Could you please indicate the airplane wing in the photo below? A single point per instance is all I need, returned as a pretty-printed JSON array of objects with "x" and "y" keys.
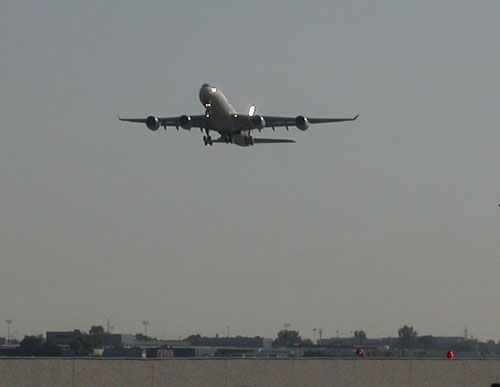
[
  {"x": 198, "y": 121},
  {"x": 274, "y": 122}
]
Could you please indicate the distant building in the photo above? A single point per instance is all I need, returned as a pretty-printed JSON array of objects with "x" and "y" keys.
[
  {"x": 235, "y": 342},
  {"x": 278, "y": 353},
  {"x": 380, "y": 342},
  {"x": 2, "y": 340},
  {"x": 62, "y": 338},
  {"x": 185, "y": 352},
  {"x": 448, "y": 341},
  {"x": 124, "y": 352},
  {"x": 165, "y": 353},
  {"x": 336, "y": 342},
  {"x": 158, "y": 343},
  {"x": 116, "y": 340}
]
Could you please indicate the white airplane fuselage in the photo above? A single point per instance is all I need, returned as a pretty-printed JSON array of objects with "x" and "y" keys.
[{"x": 222, "y": 114}]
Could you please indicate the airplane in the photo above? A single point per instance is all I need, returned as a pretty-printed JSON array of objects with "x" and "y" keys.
[{"x": 232, "y": 127}]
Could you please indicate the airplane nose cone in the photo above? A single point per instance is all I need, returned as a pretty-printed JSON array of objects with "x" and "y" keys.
[{"x": 205, "y": 93}]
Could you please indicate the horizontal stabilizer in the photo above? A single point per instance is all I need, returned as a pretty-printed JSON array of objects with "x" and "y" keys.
[{"x": 271, "y": 140}]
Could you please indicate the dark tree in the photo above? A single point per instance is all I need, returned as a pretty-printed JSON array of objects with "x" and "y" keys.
[
  {"x": 193, "y": 339},
  {"x": 35, "y": 346},
  {"x": 85, "y": 344},
  {"x": 30, "y": 345},
  {"x": 49, "y": 350},
  {"x": 407, "y": 337},
  {"x": 307, "y": 343},
  {"x": 96, "y": 330},
  {"x": 359, "y": 338},
  {"x": 427, "y": 342},
  {"x": 142, "y": 337},
  {"x": 287, "y": 338}
]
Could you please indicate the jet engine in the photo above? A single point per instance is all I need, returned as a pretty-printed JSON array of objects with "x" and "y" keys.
[
  {"x": 258, "y": 122},
  {"x": 152, "y": 123},
  {"x": 185, "y": 122},
  {"x": 301, "y": 123}
]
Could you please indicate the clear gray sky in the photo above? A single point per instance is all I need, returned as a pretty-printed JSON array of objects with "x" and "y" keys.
[{"x": 393, "y": 219}]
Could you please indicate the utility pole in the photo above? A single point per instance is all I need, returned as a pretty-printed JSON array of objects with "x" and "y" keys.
[
  {"x": 9, "y": 321},
  {"x": 145, "y": 323}
]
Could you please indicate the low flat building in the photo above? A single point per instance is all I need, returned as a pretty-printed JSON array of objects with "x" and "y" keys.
[
  {"x": 116, "y": 340},
  {"x": 124, "y": 352},
  {"x": 278, "y": 353},
  {"x": 63, "y": 338},
  {"x": 165, "y": 353},
  {"x": 448, "y": 341},
  {"x": 336, "y": 342},
  {"x": 235, "y": 342},
  {"x": 184, "y": 352}
]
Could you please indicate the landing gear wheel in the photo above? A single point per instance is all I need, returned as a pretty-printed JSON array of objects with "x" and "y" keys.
[{"x": 207, "y": 140}]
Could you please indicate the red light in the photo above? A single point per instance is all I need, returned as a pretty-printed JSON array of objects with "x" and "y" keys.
[
  {"x": 360, "y": 352},
  {"x": 450, "y": 355}
]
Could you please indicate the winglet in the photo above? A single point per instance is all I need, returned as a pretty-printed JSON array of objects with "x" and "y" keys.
[
  {"x": 119, "y": 117},
  {"x": 355, "y": 117}
]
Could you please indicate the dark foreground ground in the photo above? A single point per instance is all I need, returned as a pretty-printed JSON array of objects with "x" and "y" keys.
[{"x": 248, "y": 372}]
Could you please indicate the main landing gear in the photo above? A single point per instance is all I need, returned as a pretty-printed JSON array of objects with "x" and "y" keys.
[
  {"x": 227, "y": 138},
  {"x": 207, "y": 140}
]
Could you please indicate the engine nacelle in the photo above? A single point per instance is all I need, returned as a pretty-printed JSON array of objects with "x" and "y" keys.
[
  {"x": 258, "y": 122},
  {"x": 185, "y": 122},
  {"x": 301, "y": 123},
  {"x": 152, "y": 123}
]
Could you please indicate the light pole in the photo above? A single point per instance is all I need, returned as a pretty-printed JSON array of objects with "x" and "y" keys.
[
  {"x": 145, "y": 323},
  {"x": 9, "y": 321}
]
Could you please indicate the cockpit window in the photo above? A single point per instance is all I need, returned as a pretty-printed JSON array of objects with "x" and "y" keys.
[{"x": 205, "y": 85}]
